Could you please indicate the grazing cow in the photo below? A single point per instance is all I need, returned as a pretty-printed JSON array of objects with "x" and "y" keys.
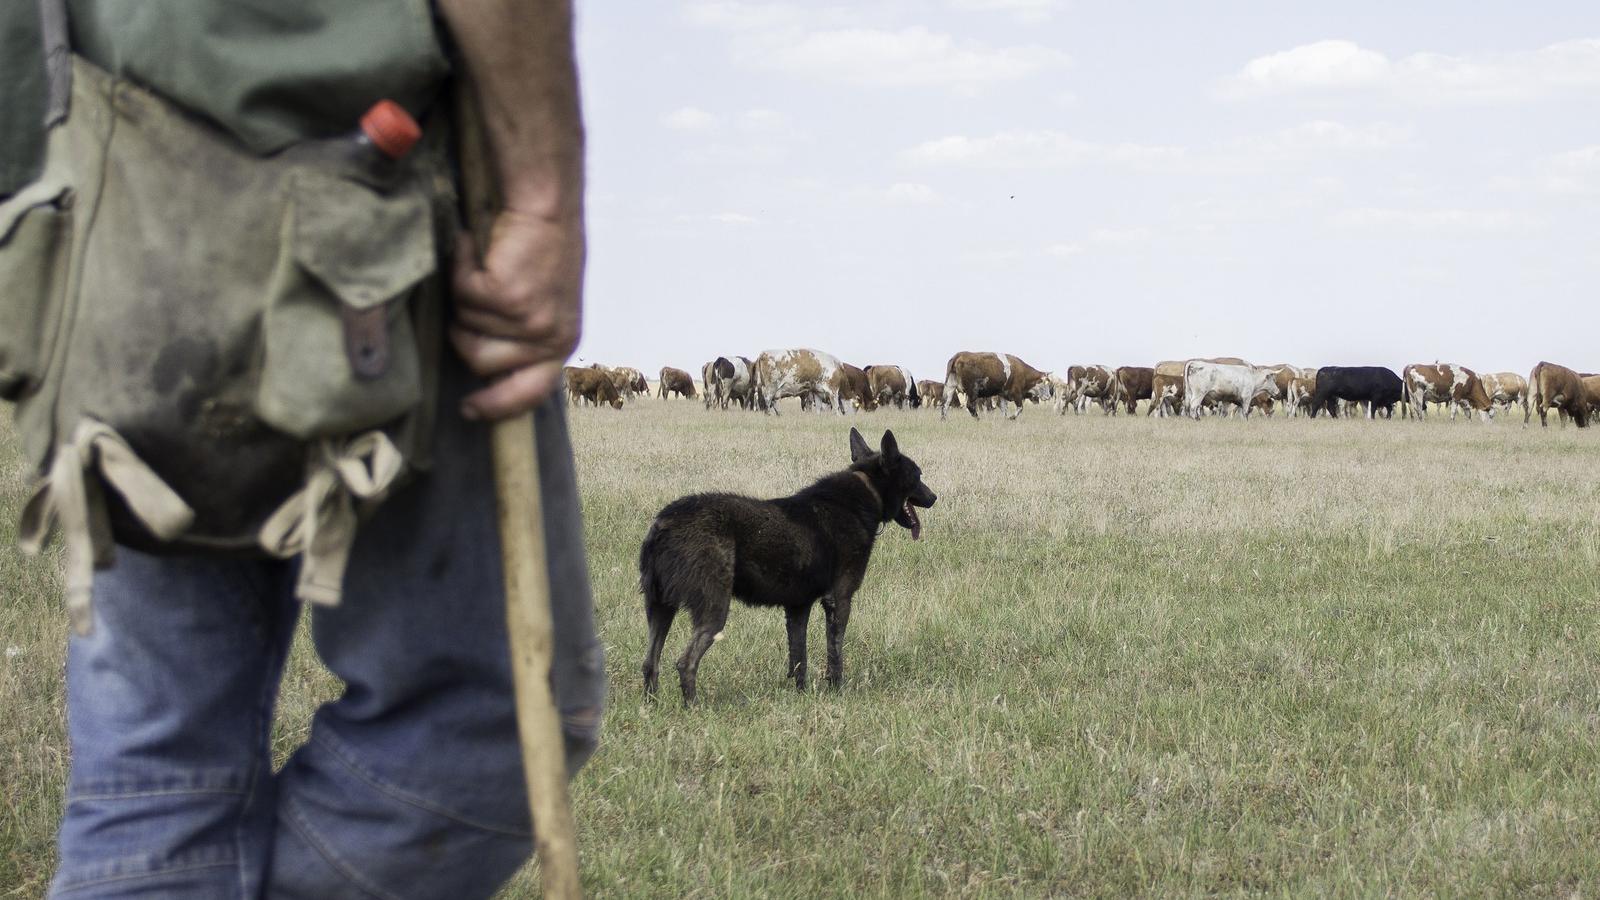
[
  {"x": 929, "y": 392},
  {"x": 1222, "y": 383},
  {"x": 1447, "y": 383},
  {"x": 1300, "y": 392},
  {"x": 807, "y": 374},
  {"x": 1093, "y": 382},
  {"x": 1376, "y": 386},
  {"x": 1505, "y": 390},
  {"x": 675, "y": 381},
  {"x": 1166, "y": 389},
  {"x": 1136, "y": 384},
  {"x": 1262, "y": 403},
  {"x": 851, "y": 383},
  {"x": 593, "y": 385},
  {"x": 998, "y": 375},
  {"x": 729, "y": 378},
  {"x": 1556, "y": 386},
  {"x": 892, "y": 384},
  {"x": 629, "y": 382}
]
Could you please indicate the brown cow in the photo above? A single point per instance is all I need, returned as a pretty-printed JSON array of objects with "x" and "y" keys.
[
  {"x": 1560, "y": 387},
  {"x": 980, "y": 375},
  {"x": 850, "y": 383},
  {"x": 930, "y": 391},
  {"x": 1591, "y": 388},
  {"x": 1136, "y": 384},
  {"x": 892, "y": 384},
  {"x": 593, "y": 385},
  {"x": 1166, "y": 389},
  {"x": 1447, "y": 383},
  {"x": 675, "y": 381}
]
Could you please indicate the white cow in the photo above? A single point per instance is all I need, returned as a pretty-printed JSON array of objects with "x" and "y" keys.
[{"x": 1223, "y": 383}]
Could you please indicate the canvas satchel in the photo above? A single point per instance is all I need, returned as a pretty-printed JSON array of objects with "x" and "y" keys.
[{"x": 214, "y": 351}]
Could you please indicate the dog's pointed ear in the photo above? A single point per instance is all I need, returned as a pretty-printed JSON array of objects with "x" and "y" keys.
[
  {"x": 858, "y": 446},
  {"x": 889, "y": 447}
]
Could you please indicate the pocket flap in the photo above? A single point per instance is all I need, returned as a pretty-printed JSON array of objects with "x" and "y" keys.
[
  {"x": 366, "y": 246},
  {"x": 31, "y": 197}
]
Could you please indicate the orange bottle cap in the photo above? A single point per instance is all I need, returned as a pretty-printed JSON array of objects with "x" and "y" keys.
[{"x": 390, "y": 128}]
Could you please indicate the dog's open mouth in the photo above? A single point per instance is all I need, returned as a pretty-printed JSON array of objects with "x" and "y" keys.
[{"x": 908, "y": 518}]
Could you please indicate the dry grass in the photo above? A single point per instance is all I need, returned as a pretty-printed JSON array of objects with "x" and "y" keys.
[{"x": 1129, "y": 656}]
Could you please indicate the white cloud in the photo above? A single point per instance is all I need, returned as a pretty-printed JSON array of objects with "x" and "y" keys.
[
  {"x": 689, "y": 118},
  {"x": 1064, "y": 250},
  {"x": 1036, "y": 150},
  {"x": 1031, "y": 11},
  {"x": 909, "y": 57},
  {"x": 733, "y": 218},
  {"x": 1336, "y": 65},
  {"x": 1447, "y": 220},
  {"x": 1324, "y": 64}
]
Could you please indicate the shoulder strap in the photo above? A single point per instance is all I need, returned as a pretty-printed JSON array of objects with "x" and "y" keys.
[{"x": 57, "y": 60}]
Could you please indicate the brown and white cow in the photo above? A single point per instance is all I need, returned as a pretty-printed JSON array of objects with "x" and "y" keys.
[
  {"x": 1137, "y": 383},
  {"x": 1551, "y": 385},
  {"x": 593, "y": 385},
  {"x": 1455, "y": 386},
  {"x": 675, "y": 381},
  {"x": 804, "y": 373},
  {"x": 1000, "y": 375},
  {"x": 892, "y": 384},
  {"x": 1166, "y": 389},
  {"x": 626, "y": 379},
  {"x": 930, "y": 391},
  {"x": 1300, "y": 391},
  {"x": 850, "y": 384},
  {"x": 1505, "y": 390},
  {"x": 1093, "y": 382}
]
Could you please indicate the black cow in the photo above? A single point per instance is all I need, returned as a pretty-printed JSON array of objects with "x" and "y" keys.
[{"x": 1375, "y": 386}]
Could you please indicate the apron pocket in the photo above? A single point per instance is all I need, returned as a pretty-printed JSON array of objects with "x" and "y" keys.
[
  {"x": 35, "y": 236},
  {"x": 340, "y": 350}
]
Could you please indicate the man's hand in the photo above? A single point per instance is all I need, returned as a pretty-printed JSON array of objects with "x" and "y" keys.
[{"x": 518, "y": 316}]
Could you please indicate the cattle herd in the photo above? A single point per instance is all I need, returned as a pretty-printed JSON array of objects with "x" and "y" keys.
[{"x": 1192, "y": 387}]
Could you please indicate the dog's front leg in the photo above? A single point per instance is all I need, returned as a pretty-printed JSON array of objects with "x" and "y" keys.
[
  {"x": 837, "y": 611},
  {"x": 797, "y": 618}
]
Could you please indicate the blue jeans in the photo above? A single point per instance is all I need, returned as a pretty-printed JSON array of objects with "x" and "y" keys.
[{"x": 409, "y": 785}]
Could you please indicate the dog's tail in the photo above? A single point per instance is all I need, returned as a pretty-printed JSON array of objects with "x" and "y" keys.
[{"x": 649, "y": 581}]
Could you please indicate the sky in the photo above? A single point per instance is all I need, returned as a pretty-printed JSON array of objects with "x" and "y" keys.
[{"x": 1352, "y": 183}]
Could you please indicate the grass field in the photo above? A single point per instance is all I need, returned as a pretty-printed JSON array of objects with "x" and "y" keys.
[{"x": 1127, "y": 657}]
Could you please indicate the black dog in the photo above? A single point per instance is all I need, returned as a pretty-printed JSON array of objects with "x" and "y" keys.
[{"x": 704, "y": 549}]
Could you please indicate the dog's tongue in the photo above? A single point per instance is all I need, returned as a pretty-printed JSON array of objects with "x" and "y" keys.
[{"x": 916, "y": 523}]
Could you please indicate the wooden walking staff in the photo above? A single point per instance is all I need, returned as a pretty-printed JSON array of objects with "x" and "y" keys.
[{"x": 522, "y": 556}]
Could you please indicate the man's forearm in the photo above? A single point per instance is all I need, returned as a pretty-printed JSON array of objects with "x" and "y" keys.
[{"x": 519, "y": 54}]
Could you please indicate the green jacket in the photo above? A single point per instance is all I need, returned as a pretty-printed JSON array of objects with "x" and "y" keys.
[
  {"x": 22, "y": 84},
  {"x": 270, "y": 71}
]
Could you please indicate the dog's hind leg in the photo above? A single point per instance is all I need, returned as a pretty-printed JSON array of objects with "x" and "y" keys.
[
  {"x": 706, "y": 630},
  {"x": 660, "y": 616},
  {"x": 797, "y": 618}
]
